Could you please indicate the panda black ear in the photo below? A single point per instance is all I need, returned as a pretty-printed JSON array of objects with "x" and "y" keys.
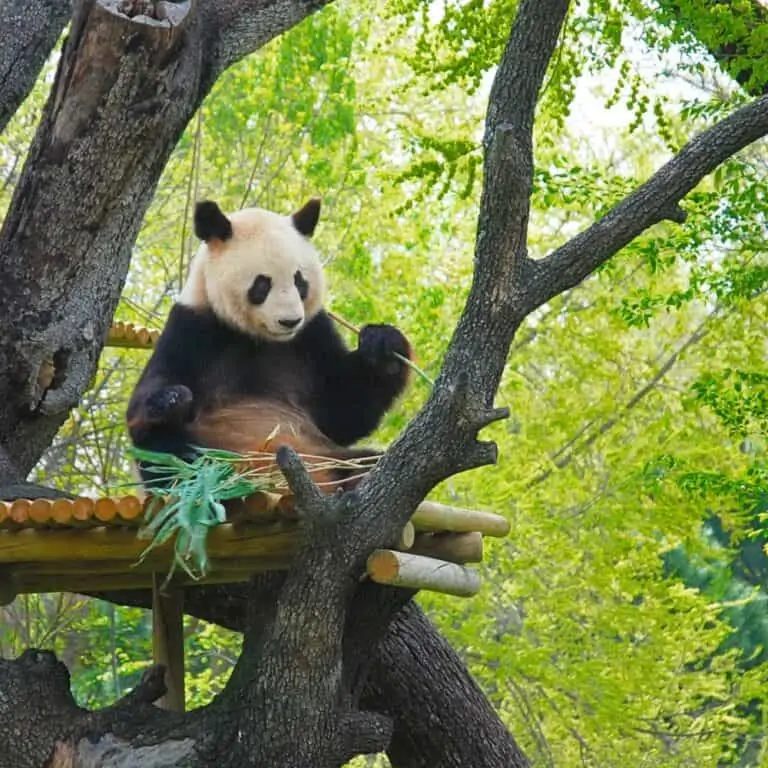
[
  {"x": 306, "y": 218},
  {"x": 211, "y": 223}
]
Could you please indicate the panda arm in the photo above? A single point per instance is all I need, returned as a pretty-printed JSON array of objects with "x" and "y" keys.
[
  {"x": 163, "y": 398},
  {"x": 354, "y": 388}
]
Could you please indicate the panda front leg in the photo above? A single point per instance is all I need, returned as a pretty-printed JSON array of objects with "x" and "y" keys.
[
  {"x": 363, "y": 385},
  {"x": 157, "y": 417},
  {"x": 160, "y": 405},
  {"x": 384, "y": 347}
]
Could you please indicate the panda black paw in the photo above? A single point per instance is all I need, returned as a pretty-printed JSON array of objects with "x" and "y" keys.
[
  {"x": 169, "y": 405},
  {"x": 380, "y": 343}
]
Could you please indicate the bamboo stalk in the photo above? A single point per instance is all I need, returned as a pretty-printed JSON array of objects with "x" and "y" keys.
[
  {"x": 403, "y": 569},
  {"x": 349, "y": 326}
]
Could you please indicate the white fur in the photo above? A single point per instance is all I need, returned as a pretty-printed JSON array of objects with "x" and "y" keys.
[{"x": 262, "y": 243}]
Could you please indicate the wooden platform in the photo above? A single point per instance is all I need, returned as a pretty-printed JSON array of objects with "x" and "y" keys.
[
  {"x": 93, "y": 544},
  {"x": 87, "y": 544}
]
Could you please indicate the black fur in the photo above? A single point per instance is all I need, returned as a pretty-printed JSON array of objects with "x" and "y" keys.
[
  {"x": 345, "y": 393},
  {"x": 211, "y": 223},
  {"x": 306, "y": 218}
]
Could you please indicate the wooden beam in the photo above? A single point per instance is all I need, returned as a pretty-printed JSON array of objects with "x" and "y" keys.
[
  {"x": 454, "y": 547},
  {"x": 168, "y": 640},
  {"x": 111, "y": 543},
  {"x": 431, "y": 516},
  {"x": 403, "y": 569}
]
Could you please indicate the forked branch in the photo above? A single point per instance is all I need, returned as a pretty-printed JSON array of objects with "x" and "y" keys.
[{"x": 654, "y": 201}]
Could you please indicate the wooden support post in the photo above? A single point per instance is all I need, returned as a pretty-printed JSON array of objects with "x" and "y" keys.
[
  {"x": 168, "y": 640},
  {"x": 8, "y": 589}
]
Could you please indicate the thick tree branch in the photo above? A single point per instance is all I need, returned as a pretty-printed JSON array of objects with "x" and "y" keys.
[
  {"x": 647, "y": 205},
  {"x": 28, "y": 31},
  {"x": 413, "y": 671},
  {"x": 441, "y": 440},
  {"x": 8, "y": 472},
  {"x": 243, "y": 26}
]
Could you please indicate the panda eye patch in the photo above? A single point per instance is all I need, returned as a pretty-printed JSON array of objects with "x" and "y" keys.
[
  {"x": 302, "y": 286},
  {"x": 259, "y": 290}
]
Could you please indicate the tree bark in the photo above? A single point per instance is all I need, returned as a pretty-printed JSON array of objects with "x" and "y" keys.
[
  {"x": 441, "y": 719},
  {"x": 28, "y": 31}
]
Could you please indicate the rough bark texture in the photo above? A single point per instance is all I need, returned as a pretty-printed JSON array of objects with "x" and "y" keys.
[
  {"x": 28, "y": 31},
  {"x": 441, "y": 718},
  {"x": 313, "y": 686}
]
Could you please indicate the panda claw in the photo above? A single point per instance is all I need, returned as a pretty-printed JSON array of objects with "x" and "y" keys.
[
  {"x": 380, "y": 343},
  {"x": 169, "y": 404}
]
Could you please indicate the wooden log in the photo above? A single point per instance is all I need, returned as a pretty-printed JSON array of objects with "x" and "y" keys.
[
  {"x": 128, "y": 510},
  {"x": 120, "y": 510},
  {"x": 259, "y": 506},
  {"x": 277, "y": 539},
  {"x": 130, "y": 336},
  {"x": 84, "y": 583},
  {"x": 407, "y": 537},
  {"x": 403, "y": 569},
  {"x": 19, "y": 510},
  {"x": 431, "y": 516},
  {"x": 453, "y": 547},
  {"x": 168, "y": 640}
]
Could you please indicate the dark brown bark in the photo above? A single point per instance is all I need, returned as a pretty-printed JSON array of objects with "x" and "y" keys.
[
  {"x": 28, "y": 31},
  {"x": 441, "y": 718}
]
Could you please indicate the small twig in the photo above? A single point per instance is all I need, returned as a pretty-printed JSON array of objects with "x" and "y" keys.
[{"x": 341, "y": 321}]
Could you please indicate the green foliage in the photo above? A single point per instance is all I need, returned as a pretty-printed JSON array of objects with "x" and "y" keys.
[{"x": 190, "y": 496}]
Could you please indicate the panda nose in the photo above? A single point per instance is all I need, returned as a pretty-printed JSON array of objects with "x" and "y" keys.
[{"x": 290, "y": 323}]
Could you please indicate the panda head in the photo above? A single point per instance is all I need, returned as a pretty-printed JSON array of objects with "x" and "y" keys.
[{"x": 257, "y": 270}]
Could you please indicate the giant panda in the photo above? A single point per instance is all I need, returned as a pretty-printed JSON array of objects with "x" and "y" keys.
[{"x": 249, "y": 360}]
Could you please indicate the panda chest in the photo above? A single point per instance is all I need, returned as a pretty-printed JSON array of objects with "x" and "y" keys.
[{"x": 270, "y": 371}]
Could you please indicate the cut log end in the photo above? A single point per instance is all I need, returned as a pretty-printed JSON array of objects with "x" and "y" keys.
[{"x": 403, "y": 569}]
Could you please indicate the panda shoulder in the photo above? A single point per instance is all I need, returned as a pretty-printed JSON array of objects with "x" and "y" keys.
[{"x": 321, "y": 333}]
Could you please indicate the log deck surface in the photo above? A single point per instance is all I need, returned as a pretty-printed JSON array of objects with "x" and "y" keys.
[{"x": 83, "y": 544}]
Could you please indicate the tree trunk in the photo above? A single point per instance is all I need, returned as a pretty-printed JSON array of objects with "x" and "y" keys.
[{"x": 441, "y": 718}]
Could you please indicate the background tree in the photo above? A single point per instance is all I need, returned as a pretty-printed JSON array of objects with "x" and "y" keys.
[{"x": 449, "y": 162}]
